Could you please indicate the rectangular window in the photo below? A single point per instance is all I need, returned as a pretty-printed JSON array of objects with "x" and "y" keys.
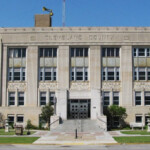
[
  {"x": 138, "y": 119},
  {"x": 42, "y": 98},
  {"x": 106, "y": 98},
  {"x": 47, "y": 74},
  {"x": 111, "y": 73},
  {"x": 142, "y": 74},
  {"x": 17, "y": 52},
  {"x": 48, "y": 52},
  {"x": 21, "y": 98},
  {"x": 79, "y": 52},
  {"x": 115, "y": 98},
  {"x": 147, "y": 98},
  {"x": 79, "y": 73},
  {"x": 11, "y": 98},
  {"x": 137, "y": 98},
  {"x": 110, "y": 52},
  {"x": 147, "y": 117},
  {"x": 10, "y": 119},
  {"x": 20, "y": 118},
  {"x": 16, "y": 74},
  {"x": 51, "y": 97},
  {"x": 141, "y": 52}
]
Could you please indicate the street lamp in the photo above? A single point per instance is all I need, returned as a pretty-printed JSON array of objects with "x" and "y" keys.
[{"x": 55, "y": 101}]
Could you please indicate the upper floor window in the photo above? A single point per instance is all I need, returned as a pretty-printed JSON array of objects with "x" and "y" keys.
[
  {"x": 52, "y": 98},
  {"x": 16, "y": 74},
  {"x": 142, "y": 73},
  {"x": 11, "y": 99},
  {"x": 42, "y": 98},
  {"x": 17, "y": 52},
  {"x": 147, "y": 98},
  {"x": 48, "y": 74},
  {"x": 115, "y": 98},
  {"x": 106, "y": 98},
  {"x": 141, "y": 52},
  {"x": 137, "y": 98},
  {"x": 79, "y": 73},
  {"x": 48, "y": 52},
  {"x": 110, "y": 52},
  {"x": 20, "y": 98},
  {"x": 111, "y": 73},
  {"x": 79, "y": 52}
]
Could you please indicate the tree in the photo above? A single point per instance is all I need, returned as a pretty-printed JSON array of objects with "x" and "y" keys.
[
  {"x": 116, "y": 111},
  {"x": 47, "y": 112},
  {"x": 1, "y": 120}
]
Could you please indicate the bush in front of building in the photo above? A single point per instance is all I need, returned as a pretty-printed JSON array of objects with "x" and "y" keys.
[
  {"x": 115, "y": 116},
  {"x": 47, "y": 112}
]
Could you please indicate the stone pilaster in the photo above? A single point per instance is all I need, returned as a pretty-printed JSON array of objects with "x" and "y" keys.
[
  {"x": 61, "y": 105},
  {"x": 63, "y": 81},
  {"x": 126, "y": 76},
  {"x": 0, "y": 70},
  {"x": 32, "y": 76},
  {"x": 4, "y": 77}
]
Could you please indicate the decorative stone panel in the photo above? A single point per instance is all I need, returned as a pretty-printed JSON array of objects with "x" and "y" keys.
[
  {"x": 79, "y": 85},
  {"x": 48, "y": 85},
  {"x": 141, "y": 85},
  {"x": 17, "y": 85},
  {"x": 111, "y": 85}
]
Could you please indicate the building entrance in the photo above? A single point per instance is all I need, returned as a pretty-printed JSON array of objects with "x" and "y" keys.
[{"x": 79, "y": 109}]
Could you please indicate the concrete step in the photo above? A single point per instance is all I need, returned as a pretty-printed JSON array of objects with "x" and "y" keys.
[{"x": 82, "y": 125}]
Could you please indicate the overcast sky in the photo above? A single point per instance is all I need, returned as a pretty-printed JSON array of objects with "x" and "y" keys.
[{"x": 20, "y": 13}]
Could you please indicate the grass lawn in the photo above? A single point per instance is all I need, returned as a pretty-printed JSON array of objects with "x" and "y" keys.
[
  {"x": 136, "y": 139},
  {"x": 12, "y": 132},
  {"x": 17, "y": 140},
  {"x": 140, "y": 132}
]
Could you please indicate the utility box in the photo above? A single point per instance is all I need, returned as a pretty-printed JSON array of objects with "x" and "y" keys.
[
  {"x": 19, "y": 130},
  {"x": 42, "y": 20}
]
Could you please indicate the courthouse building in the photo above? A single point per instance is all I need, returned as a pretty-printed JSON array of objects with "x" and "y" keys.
[{"x": 82, "y": 69}]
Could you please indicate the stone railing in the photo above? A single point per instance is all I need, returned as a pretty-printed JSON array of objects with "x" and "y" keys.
[{"x": 102, "y": 121}]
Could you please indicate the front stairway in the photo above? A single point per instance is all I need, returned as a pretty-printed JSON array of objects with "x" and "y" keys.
[{"x": 82, "y": 125}]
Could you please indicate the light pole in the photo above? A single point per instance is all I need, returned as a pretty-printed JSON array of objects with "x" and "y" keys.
[{"x": 55, "y": 101}]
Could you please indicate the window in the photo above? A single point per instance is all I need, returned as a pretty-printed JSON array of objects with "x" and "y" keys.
[
  {"x": 142, "y": 73},
  {"x": 106, "y": 99},
  {"x": 48, "y": 52},
  {"x": 10, "y": 119},
  {"x": 79, "y": 52},
  {"x": 16, "y": 74},
  {"x": 116, "y": 121},
  {"x": 147, "y": 117},
  {"x": 11, "y": 98},
  {"x": 17, "y": 52},
  {"x": 20, "y": 118},
  {"x": 115, "y": 98},
  {"x": 79, "y": 73},
  {"x": 21, "y": 98},
  {"x": 110, "y": 52},
  {"x": 111, "y": 73},
  {"x": 137, "y": 98},
  {"x": 52, "y": 98},
  {"x": 43, "y": 98},
  {"x": 138, "y": 118},
  {"x": 141, "y": 52},
  {"x": 147, "y": 98},
  {"x": 48, "y": 74}
]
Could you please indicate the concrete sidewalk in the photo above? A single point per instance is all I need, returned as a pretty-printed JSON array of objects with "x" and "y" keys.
[{"x": 83, "y": 138}]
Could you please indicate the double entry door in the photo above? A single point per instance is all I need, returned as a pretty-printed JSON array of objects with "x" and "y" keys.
[{"x": 79, "y": 109}]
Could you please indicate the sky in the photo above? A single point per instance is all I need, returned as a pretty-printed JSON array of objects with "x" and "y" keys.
[{"x": 20, "y": 13}]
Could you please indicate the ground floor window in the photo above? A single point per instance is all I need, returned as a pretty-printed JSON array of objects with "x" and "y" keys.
[
  {"x": 147, "y": 117},
  {"x": 10, "y": 120},
  {"x": 20, "y": 119},
  {"x": 138, "y": 118}
]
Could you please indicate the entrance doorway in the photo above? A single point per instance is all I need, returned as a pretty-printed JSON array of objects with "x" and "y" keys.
[{"x": 78, "y": 109}]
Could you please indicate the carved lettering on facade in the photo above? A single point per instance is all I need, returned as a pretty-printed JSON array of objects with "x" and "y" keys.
[
  {"x": 141, "y": 85},
  {"x": 79, "y": 86},
  {"x": 50, "y": 86},
  {"x": 64, "y": 37},
  {"x": 101, "y": 37},
  {"x": 19, "y": 86}
]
